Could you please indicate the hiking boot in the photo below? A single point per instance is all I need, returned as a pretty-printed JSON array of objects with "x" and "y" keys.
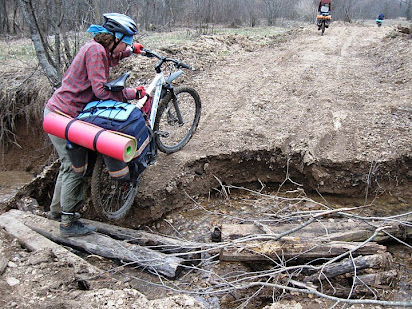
[
  {"x": 76, "y": 228},
  {"x": 57, "y": 216}
]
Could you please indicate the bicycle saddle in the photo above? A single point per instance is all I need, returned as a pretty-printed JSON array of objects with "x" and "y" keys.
[{"x": 118, "y": 84}]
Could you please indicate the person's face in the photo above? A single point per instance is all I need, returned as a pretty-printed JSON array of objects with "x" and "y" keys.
[{"x": 120, "y": 47}]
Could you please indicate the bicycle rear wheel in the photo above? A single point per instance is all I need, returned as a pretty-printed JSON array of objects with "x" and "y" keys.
[
  {"x": 177, "y": 119},
  {"x": 111, "y": 198}
]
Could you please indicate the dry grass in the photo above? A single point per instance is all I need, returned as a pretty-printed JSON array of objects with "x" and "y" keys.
[{"x": 24, "y": 87}]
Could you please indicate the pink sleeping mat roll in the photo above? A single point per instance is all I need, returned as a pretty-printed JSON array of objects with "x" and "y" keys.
[{"x": 113, "y": 144}]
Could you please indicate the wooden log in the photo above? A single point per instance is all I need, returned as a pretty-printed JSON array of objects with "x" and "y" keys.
[
  {"x": 105, "y": 246},
  {"x": 377, "y": 280},
  {"x": 163, "y": 244},
  {"x": 32, "y": 241},
  {"x": 293, "y": 250},
  {"x": 377, "y": 261},
  {"x": 320, "y": 231}
]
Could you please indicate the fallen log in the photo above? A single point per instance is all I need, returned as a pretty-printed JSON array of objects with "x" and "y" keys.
[
  {"x": 293, "y": 250},
  {"x": 320, "y": 231},
  {"x": 160, "y": 243},
  {"x": 105, "y": 246},
  {"x": 377, "y": 280},
  {"x": 376, "y": 261},
  {"x": 85, "y": 273}
]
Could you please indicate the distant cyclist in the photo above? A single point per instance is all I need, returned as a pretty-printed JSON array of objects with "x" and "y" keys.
[{"x": 325, "y": 7}]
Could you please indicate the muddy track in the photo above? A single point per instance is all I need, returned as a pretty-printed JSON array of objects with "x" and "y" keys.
[{"x": 333, "y": 111}]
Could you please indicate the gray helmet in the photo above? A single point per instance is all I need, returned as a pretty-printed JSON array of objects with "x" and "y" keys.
[{"x": 115, "y": 22}]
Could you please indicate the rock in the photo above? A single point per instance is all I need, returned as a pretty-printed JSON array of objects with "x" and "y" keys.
[{"x": 12, "y": 281}]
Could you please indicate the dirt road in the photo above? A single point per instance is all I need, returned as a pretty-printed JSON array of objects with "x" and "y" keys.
[{"x": 337, "y": 106}]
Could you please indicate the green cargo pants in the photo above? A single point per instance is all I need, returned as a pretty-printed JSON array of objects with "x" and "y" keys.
[{"x": 69, "y": 187}]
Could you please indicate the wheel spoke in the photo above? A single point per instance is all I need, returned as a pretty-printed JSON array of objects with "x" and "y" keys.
[{"x": 111, "y": 198}]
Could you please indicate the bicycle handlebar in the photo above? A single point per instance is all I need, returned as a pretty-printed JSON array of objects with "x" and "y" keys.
[{"x": 178, "y": 64}]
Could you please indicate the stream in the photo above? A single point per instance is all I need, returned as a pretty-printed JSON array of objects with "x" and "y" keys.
[{"x": 11, "y": 181}]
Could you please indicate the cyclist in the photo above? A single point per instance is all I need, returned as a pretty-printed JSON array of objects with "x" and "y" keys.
[
  {"x": 82, "y": 83},
  {"x": 325, "y": 6}
]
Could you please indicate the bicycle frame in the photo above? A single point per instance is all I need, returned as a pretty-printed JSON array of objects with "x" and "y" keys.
[{"x": 156, "y": 87}]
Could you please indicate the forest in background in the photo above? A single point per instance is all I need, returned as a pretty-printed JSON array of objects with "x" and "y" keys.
[{"x": 163, "y": 14}]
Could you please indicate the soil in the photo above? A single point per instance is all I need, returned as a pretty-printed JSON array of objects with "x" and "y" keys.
[{"x": 331, "y": 113}]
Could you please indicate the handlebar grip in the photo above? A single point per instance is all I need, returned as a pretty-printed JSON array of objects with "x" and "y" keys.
[
  {"x": 147, "y": 53},
  {"x": 185, "y": 66}
]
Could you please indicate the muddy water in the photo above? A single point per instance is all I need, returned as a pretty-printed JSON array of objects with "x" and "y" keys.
[{"x": 11, "y": 181}]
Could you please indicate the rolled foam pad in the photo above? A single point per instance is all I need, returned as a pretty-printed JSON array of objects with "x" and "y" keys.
[{"x": 110, "y": 143}]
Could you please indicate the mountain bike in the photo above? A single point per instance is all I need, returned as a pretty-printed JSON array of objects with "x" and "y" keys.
[{"x": 174, "y": 117}]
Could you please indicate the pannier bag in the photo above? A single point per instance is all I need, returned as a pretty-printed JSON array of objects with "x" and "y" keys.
[{"x": 128, "y": 119}]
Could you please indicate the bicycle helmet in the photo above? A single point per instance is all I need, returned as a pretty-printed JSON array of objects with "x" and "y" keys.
[{"x": 115, "y": 22}]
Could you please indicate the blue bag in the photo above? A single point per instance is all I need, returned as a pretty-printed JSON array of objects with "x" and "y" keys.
[{"x": 128, "y": 119}]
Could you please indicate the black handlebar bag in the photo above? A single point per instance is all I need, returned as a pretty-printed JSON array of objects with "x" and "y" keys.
[{"x": 128, "y": 119}]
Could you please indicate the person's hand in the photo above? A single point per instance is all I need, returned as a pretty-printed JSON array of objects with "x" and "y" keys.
[
  {"x": 137, "y": 48},
  {"x": 140, "y": 92}
]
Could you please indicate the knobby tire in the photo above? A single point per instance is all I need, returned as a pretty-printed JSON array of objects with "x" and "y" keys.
[
  {"x": 111, "y": 198},
  {"x": 188, "y": 101}
]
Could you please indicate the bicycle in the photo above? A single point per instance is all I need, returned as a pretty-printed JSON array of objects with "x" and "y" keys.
[{"x": 174, "y": 117}]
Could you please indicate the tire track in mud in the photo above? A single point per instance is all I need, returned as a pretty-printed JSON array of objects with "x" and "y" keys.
[{"x": 284, "y": 104}]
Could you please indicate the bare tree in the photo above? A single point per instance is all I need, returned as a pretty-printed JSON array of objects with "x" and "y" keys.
[
  {"x": 40, "y": 42},
  {"x": 408, "y": 8}
]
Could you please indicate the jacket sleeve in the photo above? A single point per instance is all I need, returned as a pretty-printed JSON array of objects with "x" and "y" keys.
[{"x": 97, "y": 66}]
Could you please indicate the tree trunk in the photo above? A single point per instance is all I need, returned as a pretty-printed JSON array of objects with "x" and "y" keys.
[
  {"x": 39, "y": 45},
  {"x": 96, "y": 12},
  {"x": 4, "y": 17}
]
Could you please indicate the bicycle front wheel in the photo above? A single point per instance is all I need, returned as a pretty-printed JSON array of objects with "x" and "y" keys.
[
  {"x": 111, "y": 198},
  {"x": 177, "y": 119}
]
